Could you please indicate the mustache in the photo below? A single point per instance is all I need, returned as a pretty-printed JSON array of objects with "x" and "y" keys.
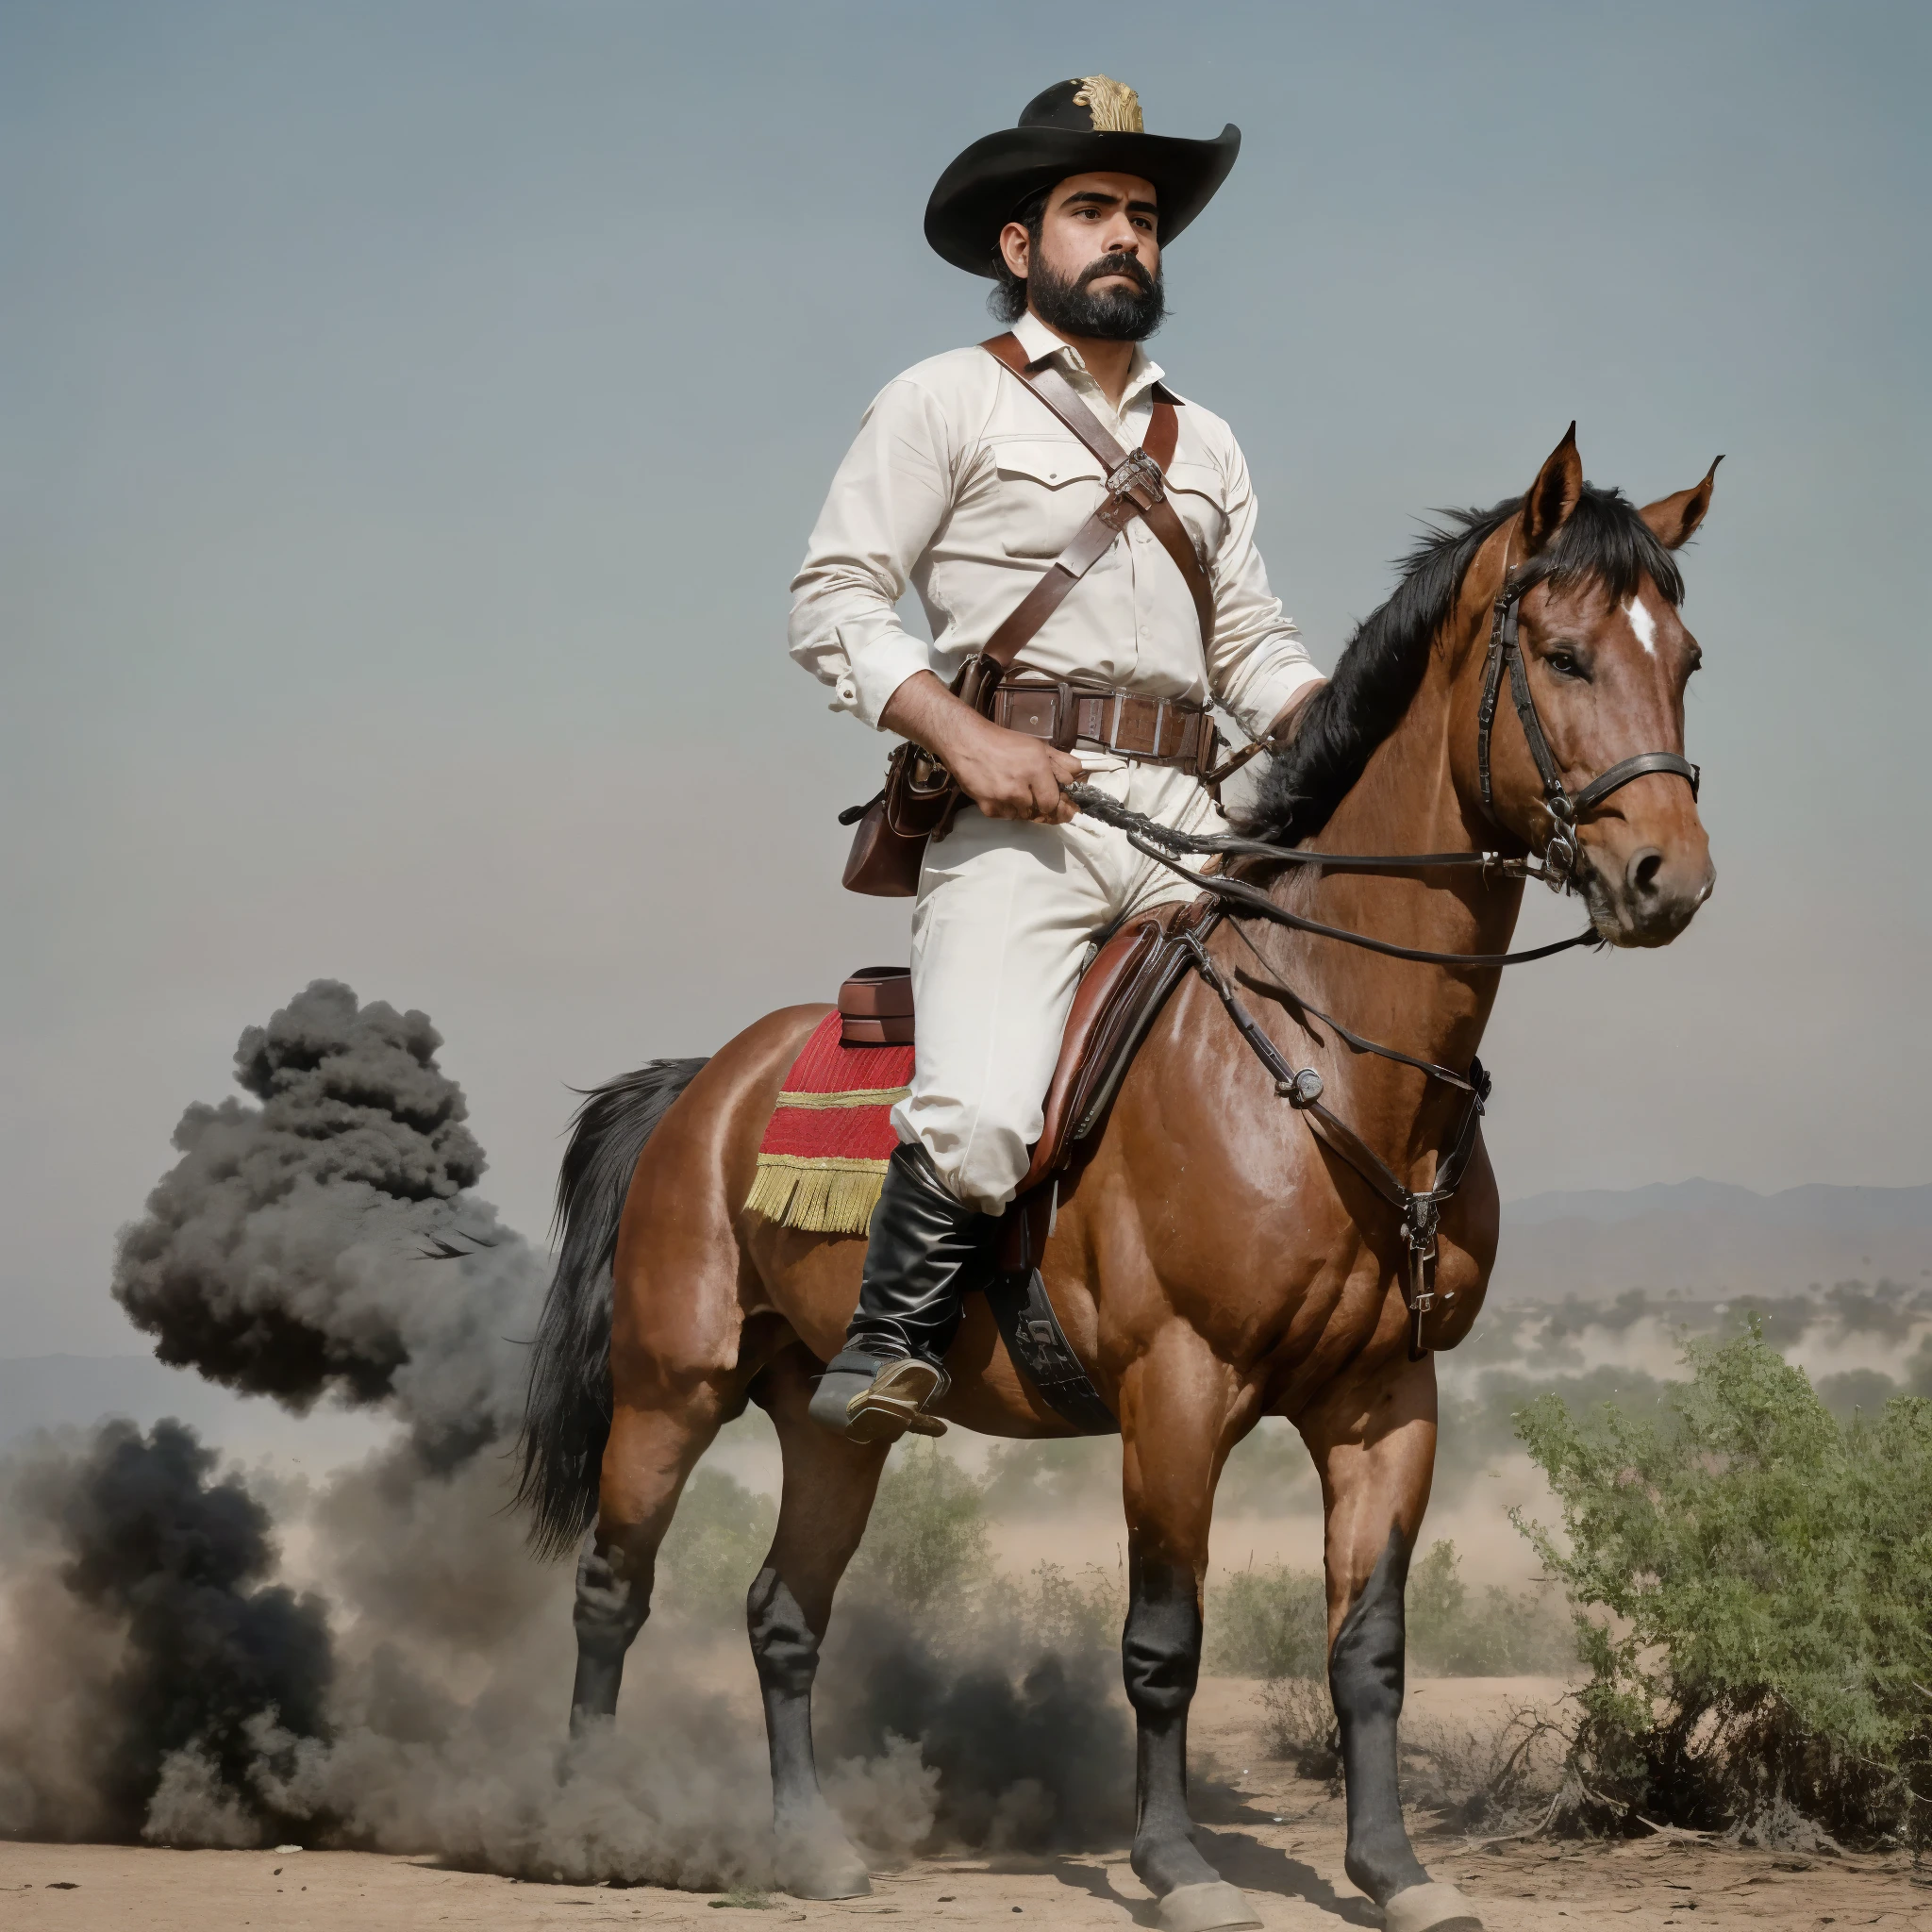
[{"x": 1118, "y": 265}]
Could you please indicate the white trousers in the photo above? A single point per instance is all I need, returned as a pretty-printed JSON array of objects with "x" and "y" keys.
[{"x": 1004, "y": 923}]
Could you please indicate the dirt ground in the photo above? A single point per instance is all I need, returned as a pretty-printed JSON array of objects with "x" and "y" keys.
[{"x": 1292, "y": 1870}]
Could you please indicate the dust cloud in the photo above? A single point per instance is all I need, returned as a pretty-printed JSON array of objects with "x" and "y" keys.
[{"x": 200, "y": 1656}]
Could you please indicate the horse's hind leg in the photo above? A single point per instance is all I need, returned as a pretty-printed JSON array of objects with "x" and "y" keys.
[
  {"x": 1375, "y": 1449},
  {"x": 650, "y": 1455},
  {"x": 829, "y": 1484}
]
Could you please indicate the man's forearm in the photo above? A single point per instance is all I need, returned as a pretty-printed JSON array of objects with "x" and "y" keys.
[{"x": 926, "y": 711}]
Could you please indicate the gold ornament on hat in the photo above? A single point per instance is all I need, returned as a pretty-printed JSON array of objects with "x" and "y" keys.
[{"x": 1114, "y": 106}]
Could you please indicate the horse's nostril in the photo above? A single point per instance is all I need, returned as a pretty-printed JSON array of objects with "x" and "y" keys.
[{"x": 1644, "y": 871}]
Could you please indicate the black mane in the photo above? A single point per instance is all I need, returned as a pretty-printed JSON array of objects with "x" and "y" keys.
[{"x": 1377, "y": 677}]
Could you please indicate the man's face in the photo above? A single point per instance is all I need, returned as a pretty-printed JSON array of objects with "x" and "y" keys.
[
  {"x": 1090, "y": 217},
  {"x": 1095, "y": 271}
]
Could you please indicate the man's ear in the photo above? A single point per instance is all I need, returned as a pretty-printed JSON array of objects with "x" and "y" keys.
[
  {"x": 1016, "y": 248},
  {"x": 1672, "y": 519},
  {"x": 1557, "y": 491}
]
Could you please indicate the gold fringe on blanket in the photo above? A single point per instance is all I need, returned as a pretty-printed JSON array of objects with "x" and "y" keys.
[{"x": 820, "y": 1194}]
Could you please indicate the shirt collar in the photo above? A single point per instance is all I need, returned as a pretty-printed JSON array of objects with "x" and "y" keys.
[{"x": 1039, "y": 341}]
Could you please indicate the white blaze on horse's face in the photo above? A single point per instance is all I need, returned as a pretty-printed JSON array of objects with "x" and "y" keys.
[{"x": 1642, "y": 623}]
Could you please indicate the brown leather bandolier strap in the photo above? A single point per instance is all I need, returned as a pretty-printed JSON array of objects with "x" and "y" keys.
[
  {"x": 1135, "y": 485},
  {"x": 920, "y": 795},
  {"x": 1155, "y": 731}
]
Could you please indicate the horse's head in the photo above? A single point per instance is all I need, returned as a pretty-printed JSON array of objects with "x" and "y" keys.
[{"x": 1605, "y": 660}]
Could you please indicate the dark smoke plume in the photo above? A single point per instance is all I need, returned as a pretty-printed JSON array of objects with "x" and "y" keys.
[
  {"x": 169, "y": 1569},
  {"x": 324, "y": 1242},
  {"x": 1030, "y": 1751}
]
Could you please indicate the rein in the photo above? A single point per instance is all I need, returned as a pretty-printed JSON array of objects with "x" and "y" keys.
[
  {"x": 1421, "y": 1211},
  {"x": 1160, "y": 842}
]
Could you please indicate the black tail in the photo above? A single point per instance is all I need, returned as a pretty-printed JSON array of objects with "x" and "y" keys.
[{"x": 567, "y": 1412}]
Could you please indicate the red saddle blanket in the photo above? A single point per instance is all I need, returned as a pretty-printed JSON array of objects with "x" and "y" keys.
[{"x": 822, "y": 1160}]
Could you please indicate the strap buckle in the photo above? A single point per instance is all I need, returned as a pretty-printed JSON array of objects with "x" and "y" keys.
[
  {"x": 1139, "y": 480},
  {"x": 1419, "y": 1221}
]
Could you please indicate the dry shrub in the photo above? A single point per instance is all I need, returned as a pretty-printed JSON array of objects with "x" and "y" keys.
[
  {"x": 1298, "y": 1725},
  {"x": 1497, "y": 1776}
]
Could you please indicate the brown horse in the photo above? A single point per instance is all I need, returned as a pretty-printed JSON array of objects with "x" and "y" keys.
[{"x": 1213, "y": 1261}]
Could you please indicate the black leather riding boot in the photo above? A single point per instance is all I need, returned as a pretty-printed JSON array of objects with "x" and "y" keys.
[
  {"x": 926, "y": 1248},
  {"x": 925, "y": 1251}
]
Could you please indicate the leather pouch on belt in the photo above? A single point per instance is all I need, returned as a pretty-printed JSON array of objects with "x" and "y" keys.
[{"x": 916, "y": 804}]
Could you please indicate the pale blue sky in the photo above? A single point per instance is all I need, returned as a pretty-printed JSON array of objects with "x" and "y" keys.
[{"x": 414, "y": 414}]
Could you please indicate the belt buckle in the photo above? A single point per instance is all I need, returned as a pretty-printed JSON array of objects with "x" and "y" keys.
[{"x": 1122, "y": 699}]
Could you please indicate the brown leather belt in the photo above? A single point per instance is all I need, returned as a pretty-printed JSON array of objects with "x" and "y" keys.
[{"x": 1157, "y": 731}]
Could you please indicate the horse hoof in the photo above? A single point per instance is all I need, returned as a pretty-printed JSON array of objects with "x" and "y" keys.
[
  {"x": 1216, "y": 1907},
  {"x": 833, "y": 1886},
  {"x": 1430, "y": 1908},
  {"x": 820, "y": 1865}
]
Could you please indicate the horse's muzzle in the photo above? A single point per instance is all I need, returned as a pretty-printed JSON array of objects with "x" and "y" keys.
[{"x": 1651, "y": 895}]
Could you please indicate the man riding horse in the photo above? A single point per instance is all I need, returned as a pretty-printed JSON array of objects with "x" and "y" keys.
[
  {"x": 970, "y": 481},
  {"x": 1278, "y": 1215}
]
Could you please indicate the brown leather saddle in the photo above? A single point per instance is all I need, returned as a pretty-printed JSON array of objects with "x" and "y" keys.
[{"x": 1120, "y": 996}]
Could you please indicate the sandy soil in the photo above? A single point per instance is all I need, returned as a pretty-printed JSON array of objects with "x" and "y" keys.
[{"x": 1292, "y": 1870}]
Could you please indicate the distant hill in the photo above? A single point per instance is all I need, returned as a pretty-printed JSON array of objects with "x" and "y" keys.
[
  {"x": 1705, "y": 1239},
  {"x": 1711, "y": 1238}
]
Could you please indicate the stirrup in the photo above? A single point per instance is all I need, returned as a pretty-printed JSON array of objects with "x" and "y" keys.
[{"x": 894, "y": 1402}]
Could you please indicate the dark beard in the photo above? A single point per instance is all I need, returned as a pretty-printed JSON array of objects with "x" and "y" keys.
[{"x": 1107, "y": 315}]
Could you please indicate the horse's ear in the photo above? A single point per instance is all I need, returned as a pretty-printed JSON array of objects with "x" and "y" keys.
[
  {"x": 1672, "y": 519},
  {"x": 1557, "y": 491}
]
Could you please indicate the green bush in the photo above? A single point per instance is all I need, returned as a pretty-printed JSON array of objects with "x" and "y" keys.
[
  {"x": 1504, "y": 1633},
  {"x": 1274, "y": 1623},
  {"x": 1270, "y": 1623},
  {"x": 1027, "y": 1480},
  {"x": 1056, "y": 1614},
  {"x": 1760, "y": 1579},
  {"x": 713, "y": 1549},
  {"x": 925, "y": 1542}
]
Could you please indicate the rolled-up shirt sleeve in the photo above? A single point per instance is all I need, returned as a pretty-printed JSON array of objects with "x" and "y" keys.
[
  {"x": 1257, "y": 661},
  {"x": 887, "y": 498}
]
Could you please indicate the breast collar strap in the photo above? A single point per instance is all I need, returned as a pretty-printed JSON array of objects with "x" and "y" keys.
[
  {"x": 1565, "y": 810},
  {"x": 1421, "y": 1209}
]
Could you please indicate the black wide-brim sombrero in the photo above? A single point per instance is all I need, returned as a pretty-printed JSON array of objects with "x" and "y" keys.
[{"x": 1074, "y": 127}]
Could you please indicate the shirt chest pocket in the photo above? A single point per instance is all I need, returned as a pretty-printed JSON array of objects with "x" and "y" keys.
[
  {"x": 1045, "y": 490},
  {"x": 1194, "y": 490}
]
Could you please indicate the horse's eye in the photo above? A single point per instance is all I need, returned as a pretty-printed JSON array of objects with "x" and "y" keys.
[{"x": 1564, "y": 664}]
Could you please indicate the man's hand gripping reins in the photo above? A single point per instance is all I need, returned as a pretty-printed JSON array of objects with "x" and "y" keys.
[{"x": 1005, "y": 773}]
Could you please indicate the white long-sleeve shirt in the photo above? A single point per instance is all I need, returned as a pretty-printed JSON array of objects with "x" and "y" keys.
[{"x": 966, "y": 486}]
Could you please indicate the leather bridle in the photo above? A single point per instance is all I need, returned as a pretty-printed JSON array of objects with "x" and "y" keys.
[{"x": 1560, "y": 850}]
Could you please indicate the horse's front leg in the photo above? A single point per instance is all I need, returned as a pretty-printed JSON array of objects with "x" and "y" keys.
[
  {"x": 1374, "y": 1441},
  {"x": 1175, "y": 1404}
]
